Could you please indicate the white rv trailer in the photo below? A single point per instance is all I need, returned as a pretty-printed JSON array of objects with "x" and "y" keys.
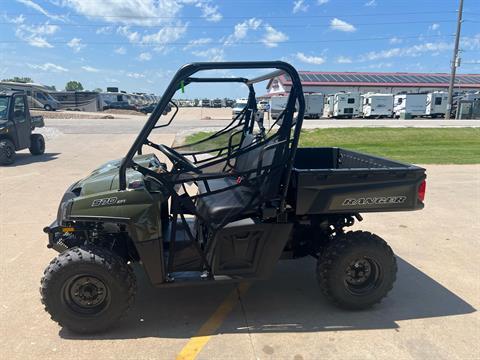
[
  {"x": 436, "y": 104},
  {"x": 238, "y": 106},
  {"x": 78, "y": 100},
  {"x": 313, "y": 106},
  {"x": 277, "y": 105},
  {"x": 328, "y": 106},
  {"x": 37, "y": 94},
  {"x": 346, "y": 105},
  {"x": 413, "y": 104},
  {"x": 377, "y": 105},
  {"x": 106, "y": 98}
]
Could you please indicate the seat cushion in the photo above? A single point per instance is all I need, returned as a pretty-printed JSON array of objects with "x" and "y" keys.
[
  {"x": 216, "y": 184},
  {"x": 227, "y": 205}
]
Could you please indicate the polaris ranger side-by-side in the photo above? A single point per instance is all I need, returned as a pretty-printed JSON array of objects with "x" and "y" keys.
[
  {"x": 16, "y": 126},
  {"x": 224, "y": 214}
]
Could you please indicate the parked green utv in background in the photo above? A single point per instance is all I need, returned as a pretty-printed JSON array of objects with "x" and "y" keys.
[
  {"x": 226, "y": 214},
  {"x": 16, "y": 126}
]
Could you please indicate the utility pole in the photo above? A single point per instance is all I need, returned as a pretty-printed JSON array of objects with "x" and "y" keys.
[{"x": 455, "y": 60}]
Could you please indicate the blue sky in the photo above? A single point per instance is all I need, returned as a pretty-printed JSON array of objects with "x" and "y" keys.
[{"x": 137, "y": 44}]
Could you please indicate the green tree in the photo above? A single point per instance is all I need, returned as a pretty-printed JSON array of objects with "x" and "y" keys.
[
  {"x": 20, "y": 79},
  {"x": 74, "y": 86},
  {"x": 51, "y": 87},
  {"x": 99, "y": 90}
]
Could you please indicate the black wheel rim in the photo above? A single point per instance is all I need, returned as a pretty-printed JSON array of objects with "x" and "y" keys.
[
  {"x": 8, "y": 152},
  {"x": 362, "y": 276},
  {"x": 86, "y": 295}
]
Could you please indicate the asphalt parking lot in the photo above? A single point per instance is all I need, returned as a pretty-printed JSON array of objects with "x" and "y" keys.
[{"x": 430, "y": 314}]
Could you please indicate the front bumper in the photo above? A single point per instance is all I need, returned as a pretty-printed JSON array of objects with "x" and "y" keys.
[{"x": 55, "y": 235}]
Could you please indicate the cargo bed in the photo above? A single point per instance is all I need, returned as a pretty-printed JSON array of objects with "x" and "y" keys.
[{"x": 335, "y": 181}]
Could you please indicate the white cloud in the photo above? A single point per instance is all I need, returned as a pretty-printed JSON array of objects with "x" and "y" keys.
[
  {"x": 197, "y": 42},
  {"x": 209, "y": 12},
  {"x": 104, "y": 30},
  {"x": 299, "y": 5},
  {"x": 344, "y": 60},
  {"x": 410, "y": 51},
  {"x": 121, "y": 50},
  {"x": 273, "y": 37},
  {"x": 132, "y": 36},
  {"x": 470, "y": 43},
  {"x": 76, "y": 44},
  {"x": 240, "y": 30},
  {"x": 212, "y": 54},
  {"x": 340, "y": 25},
  {"x": 161, "y": 38},
  {"x": 316, "y": 60},
  {"x": 20, "y": 19},
  {"x": 145, "y": 56},
  {"x": 136, "y": 12},
  {"x": 35, "y": 6},
  {"x": 322, "y": 2},
  {"x": 395, "y": 40},
  {"x": 434, "y": 26},
  {"x": 135, "y": 75},
  {"x": 90, "y": 69},
  {"x": 371, "y": 3},
  {"x": 48, "y": 67},
  {"x": 380, "y": 65},
  {"x": 35, "y": 35}
]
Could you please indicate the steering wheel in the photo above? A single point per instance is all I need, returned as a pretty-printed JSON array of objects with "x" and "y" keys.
[{"x": 178, "y": 159}]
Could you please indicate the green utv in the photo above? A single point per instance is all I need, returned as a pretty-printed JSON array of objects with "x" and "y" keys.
[
  {"x": 225, "y": 214},
  {"x": 16, "y": 126}
]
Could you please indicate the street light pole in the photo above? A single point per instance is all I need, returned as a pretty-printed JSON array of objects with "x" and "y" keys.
[{"x": 454, "y": 60}]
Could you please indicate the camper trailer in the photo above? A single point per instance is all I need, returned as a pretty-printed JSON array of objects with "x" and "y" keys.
[
  {"x": 409, "y": 105},
  {"x": 37, "y": 95},
  {"x": 313, "y": 106},
  {"x": 346, "y": 105},
  {"x": 377, "y": 105},
  {"x": 328, "y": 106},
  {"x": 277, "y": 105},
  {"x": 78, "y": 100},
  {"x": 436, "y": 104}
]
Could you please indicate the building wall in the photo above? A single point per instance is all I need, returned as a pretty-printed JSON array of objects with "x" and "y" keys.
[{"x": 279, "y": 88}]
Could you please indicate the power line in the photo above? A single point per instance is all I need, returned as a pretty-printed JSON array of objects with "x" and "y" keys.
[
  {"x": 229, "y": 26},
  {"x": 235, "y": 43},
  {"x": 142, "y": 17}
]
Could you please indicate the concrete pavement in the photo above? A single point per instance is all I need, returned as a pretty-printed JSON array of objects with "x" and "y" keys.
[{"x": 430, "y": 314}]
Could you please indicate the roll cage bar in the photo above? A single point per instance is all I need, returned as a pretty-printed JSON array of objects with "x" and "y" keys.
[{"x": 184, "y": 76}]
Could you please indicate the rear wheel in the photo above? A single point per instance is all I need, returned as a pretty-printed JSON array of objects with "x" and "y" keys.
[
  {"x": 357, "y": 270},
  {"x": 7, "y": 152},
  {"x": 87, "y": 289},
  {"x": 37, "y": 144}
]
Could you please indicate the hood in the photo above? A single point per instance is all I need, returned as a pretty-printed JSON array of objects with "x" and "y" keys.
[{"x": 105, "y": 177}]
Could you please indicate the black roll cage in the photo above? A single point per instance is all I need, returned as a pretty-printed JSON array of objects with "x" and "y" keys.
[{"x": 183, "y": 77}]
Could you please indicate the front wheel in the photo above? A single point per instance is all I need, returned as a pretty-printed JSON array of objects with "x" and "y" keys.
[
  {"x": 7, "y": 152},
  {"x": 357, "y": 270},
  {"x": 48, "y": 107},
  {"x": 87, "y": 289},
  {"x": 37, "y": 144}
]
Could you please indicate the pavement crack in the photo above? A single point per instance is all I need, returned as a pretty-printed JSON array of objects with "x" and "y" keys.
[{"x": 245, "y": 318}]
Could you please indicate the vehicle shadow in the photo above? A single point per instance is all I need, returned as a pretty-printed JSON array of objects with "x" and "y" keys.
[
  {"x": 22, "y": 159},
  {"x": 289, "y": 302}
]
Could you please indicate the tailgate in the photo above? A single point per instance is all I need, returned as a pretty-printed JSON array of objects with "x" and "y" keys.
[{"x": 351, "y": 182}]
